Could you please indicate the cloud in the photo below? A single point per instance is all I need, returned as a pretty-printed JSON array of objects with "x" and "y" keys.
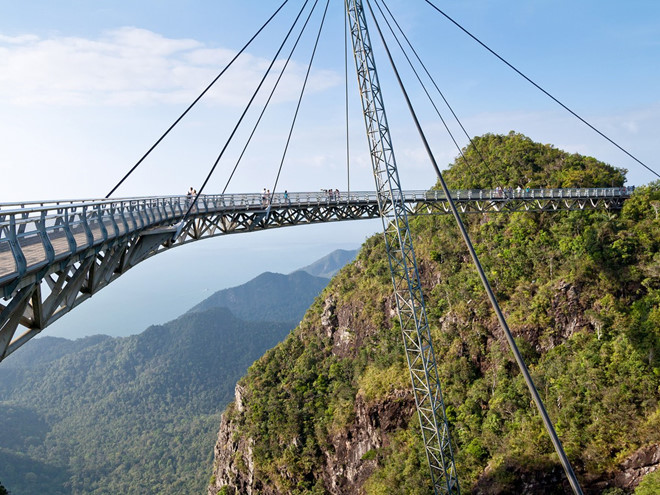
[
  {"x": 131, "y": 66},
  {"x": 17, "y": 40}
]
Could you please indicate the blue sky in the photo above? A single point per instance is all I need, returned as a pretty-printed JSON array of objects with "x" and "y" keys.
[{"x": 87, "y": 86}]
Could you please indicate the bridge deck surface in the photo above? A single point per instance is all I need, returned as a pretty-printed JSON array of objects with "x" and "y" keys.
[{"x": 125, "y": 216}]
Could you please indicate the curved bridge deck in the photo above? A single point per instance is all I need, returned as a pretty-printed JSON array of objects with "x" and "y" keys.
[{"x": 78, "y": 247}]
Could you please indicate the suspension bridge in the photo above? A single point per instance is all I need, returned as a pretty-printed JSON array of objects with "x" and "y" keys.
[{"x": 54, "y": 255}]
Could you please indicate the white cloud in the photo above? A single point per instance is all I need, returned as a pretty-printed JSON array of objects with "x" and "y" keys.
[
  {"x": 18, "y": 40},
  {"x": 131, "y": 66}
]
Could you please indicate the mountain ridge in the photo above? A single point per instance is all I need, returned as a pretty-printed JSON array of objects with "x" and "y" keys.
[
  {"x": 156, "y": 396},
  {"x": 329, "y": 265},
  {"x": 281, "y": 297}
]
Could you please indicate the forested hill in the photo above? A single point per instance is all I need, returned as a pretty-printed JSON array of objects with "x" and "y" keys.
[
  {"x": 128, "y": 415},
  {"x": 269, "y": 296},
  {"x": 329, "y": 410},
  {"x": 329, "y": 265},
  {"x": 138, "y": 415}
]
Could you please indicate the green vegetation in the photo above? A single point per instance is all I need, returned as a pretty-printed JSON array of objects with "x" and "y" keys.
[
  {"x": 3, "y": 490},
  {"x": 650, "y": 485},
  {"x": 269, "y": 297},
  {"x": 581, "y": 291},
  {"x": 129, "y": 415},
  {"x": 406, "y": 471},
  {"x": 515, "y": 160}
]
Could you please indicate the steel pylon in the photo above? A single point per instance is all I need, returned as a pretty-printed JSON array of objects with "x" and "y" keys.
[{"x": 403, "y": 265}]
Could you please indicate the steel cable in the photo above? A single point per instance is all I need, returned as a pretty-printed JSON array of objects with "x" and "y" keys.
[
  {"x": 245, "y": 111},
  {"x": 437, "y": 111},
  {"x": 419, "y": 59},
  {"x": 302, "y": 93},
  {"x": 263, "y": 111},
  {"x": 543, "y": 90},
  {"x": 196, "y": 99}
]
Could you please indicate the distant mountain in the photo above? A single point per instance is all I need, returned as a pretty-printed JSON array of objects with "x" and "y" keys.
[
  {"x": 329, "y": 265},
  {"x": 269, "y": 297},
  {"x": 46, "y": 349},
  {"x": 139, "y": 414},
  {"x": 128, "y": 415}
]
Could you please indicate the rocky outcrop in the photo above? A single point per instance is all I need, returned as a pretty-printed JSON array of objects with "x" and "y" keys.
[
  {"x": 347, "y": 456},
  {"x": 347, "y": 463},
  {"x": 634, "y": 468},
  {"x": 234, "y": 467},
  {"x": 549, "y": 480},
  {"x": 350, "y": 326},
  {"x": 629, "y": 473}
]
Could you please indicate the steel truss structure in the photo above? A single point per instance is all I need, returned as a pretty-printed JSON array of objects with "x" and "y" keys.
[
  {"x": 535, "y": 200},
  {"x": 403, "y": 265},
  {"x": 55, "y": 255}
]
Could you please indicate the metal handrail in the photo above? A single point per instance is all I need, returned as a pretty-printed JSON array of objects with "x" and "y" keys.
[
  {"x": 170, "y": 207},
  {"x": 90, "y": 222},
  {"x": 320, "y": 197}
]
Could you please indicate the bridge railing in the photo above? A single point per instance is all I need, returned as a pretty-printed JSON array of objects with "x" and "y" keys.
[
  {"x": 39, "y": 233},
  {"x": 214, "y": 201},
  {"x": 510, "y": 193}
]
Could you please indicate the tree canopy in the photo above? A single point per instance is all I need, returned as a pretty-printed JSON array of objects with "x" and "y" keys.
[{"x": 514, "y": 160}]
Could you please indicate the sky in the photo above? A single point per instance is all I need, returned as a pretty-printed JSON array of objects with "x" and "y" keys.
[{"x": 86, "y": 87}]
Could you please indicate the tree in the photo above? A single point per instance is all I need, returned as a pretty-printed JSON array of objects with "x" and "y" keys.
[
  {"x": 649, "y": 485},
  {"x": 3, "y": 490}
]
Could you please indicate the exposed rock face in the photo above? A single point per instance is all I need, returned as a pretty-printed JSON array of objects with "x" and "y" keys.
[
  {"x": 644, "y": 461},
  {"x": 550, "y": 481},
  {"x": 553, "y": 480},
  {"x": 346, "y": 468},
  {"x": 233, "y": 454},
  {"x": 567, "y": 315}
]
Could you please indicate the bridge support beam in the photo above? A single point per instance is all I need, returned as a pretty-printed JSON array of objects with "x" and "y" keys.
[
  {"x": 10, "y": 318},
  {"x": 403, "y": 265}
]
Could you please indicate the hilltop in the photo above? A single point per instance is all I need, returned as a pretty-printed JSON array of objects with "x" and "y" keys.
[
  {"x": 329, "y": 410},
  {"x": 329, "y": 265},
  {"x": 269, "y": 296}
]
